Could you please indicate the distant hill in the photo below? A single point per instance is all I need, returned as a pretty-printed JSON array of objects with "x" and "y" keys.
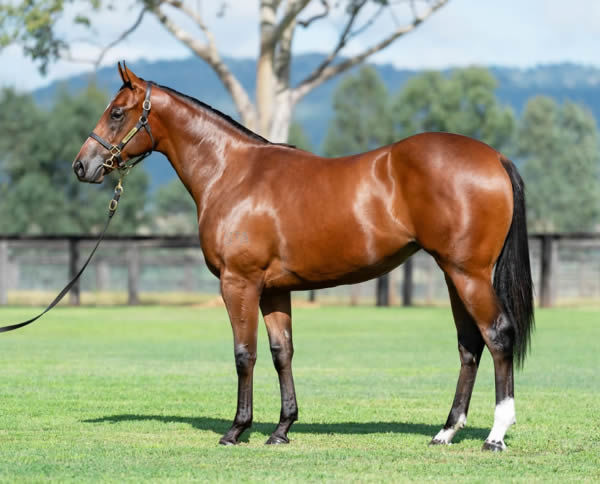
[{"x": 192, "y": 76}]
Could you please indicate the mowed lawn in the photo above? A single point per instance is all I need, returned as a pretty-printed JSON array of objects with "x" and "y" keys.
[{"x": 138, "y": 394}]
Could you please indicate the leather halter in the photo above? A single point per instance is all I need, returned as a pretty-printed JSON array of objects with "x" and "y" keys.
[{"x": 116, "y": 150}]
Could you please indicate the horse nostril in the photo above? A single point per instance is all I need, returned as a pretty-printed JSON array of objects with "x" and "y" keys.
[{"x": 79, "y": 169}]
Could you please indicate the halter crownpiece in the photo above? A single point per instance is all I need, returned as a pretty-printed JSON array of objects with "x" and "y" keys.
[{"x": 116, "y": 150}]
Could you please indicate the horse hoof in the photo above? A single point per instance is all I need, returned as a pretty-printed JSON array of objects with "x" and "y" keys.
[
  {"x": 277, "y": 439},
  {"x": 435, "y": 441},
  {"x": 225, "y": 440},
  {"x": 494, "y": 446}
]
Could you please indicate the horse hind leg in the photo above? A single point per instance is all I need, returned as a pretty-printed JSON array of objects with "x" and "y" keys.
[
  {"x": 470, "y": 347},
  {"x": 479, "y": 298}
]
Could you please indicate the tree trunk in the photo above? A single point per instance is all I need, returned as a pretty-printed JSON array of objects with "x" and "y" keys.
[
  {"x": 265, "y": 84},
  {"x": 282, "y": 118}
]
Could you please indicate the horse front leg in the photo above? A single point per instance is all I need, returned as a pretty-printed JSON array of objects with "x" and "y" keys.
[
  {"x": 241, "y": 298},
  {"x": 277, "y": 313}
]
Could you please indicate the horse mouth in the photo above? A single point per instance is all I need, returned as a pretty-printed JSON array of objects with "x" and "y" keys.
[{"x": 98, "y": 175}]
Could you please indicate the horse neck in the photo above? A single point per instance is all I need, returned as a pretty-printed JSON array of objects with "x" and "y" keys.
[{"x": 201, "y": 146}]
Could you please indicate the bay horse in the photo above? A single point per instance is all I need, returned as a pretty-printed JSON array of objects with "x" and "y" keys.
[{"x": 310, "y": 222}]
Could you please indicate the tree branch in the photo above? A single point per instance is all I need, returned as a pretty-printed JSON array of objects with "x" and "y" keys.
[
  {"x": 343, "y": 39},
  {"x": 367, "y": 24},
  {"x": 121, "y": 38},
  {"x": 306, "y": 23},
  {"x": 194, "y": 15},
  {"x": 209, "y": 53},
  {"x": 283, "y": 58},
  {"x": 294, "y": 8},
  {"x": 320, "y": 75},
  {"x": 95, "y": 62}
]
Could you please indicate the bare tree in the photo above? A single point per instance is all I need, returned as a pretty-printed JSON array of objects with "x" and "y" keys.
[
  {"x": 276, "y": 97},
  {"x": 279, "y": 20}
]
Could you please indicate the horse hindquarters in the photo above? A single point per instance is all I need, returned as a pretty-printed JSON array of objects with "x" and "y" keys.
[{"x": 503, "y": 314}]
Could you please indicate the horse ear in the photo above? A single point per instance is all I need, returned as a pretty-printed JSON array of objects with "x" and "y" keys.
[
  {"x": 122, "y": 74},
  {"x": 131, "y": 77}
]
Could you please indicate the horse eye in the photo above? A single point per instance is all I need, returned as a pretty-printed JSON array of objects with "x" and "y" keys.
[{"x": 116, "y": 114}]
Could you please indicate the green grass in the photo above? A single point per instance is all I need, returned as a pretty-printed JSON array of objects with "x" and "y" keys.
[{"x": 139, "y": 394}]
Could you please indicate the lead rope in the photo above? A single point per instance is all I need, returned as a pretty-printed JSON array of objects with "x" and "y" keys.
[{"x": 112, "y": 208}]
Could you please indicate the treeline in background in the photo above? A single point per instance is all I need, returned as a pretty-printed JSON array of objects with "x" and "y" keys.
[{"x": 555, "y": 145}]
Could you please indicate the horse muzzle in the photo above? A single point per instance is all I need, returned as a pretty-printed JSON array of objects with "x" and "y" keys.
[{"x": 85, "y": 174}]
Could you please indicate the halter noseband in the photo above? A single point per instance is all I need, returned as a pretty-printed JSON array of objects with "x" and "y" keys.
[{"x": 115, "y": 150}]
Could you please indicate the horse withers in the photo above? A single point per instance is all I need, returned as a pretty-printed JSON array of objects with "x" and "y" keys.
[{"x": 310, "y": 222}]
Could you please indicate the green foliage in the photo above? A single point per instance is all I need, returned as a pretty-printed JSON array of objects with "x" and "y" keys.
[
  {"x": 362, "y": 118},
  {"x": 143, "y": 395},
  {"x": 463, "y": 103},
  {"x": 298, "y": 138},
  {"x": 559, "y": 146},
  {"x": 175, "y": 211},
  {"x": 34, "y": 25},
  {"x": 38, "y": 191}
]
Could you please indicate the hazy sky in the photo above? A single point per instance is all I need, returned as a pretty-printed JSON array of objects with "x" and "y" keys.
[{"x": 502, "y": 32}]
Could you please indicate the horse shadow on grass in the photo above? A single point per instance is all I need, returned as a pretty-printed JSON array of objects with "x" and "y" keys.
[{"x": 219, "y": 426}]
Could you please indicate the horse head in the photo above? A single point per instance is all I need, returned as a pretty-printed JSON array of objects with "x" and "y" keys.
[{"x": 114, "y": 143}]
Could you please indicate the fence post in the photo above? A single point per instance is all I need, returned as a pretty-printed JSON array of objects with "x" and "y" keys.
[
  {"x": 3, "y": 272},
  {"x": 133, "y": 274},
  {"x": 547, "y": 263},
  {"x": 382, "y": 291},
  {"x": 312, "y": 296},
  {"x": 75, "y": 294},
  {"x": 407, "y": 286}
]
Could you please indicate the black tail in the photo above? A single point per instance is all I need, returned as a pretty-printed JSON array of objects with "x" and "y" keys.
[{"x": 512, "y": 277}]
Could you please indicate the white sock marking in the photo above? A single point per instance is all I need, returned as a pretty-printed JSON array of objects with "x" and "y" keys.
[
  {"x": 504, "y": 417},
  {"x": 446, "y": 435}
]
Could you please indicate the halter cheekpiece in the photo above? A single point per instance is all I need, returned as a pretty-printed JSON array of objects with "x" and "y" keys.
[{"x": 116, "y": 160}]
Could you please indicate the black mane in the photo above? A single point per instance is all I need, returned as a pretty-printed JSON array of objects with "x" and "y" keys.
[{"x": 222, "y": 115}]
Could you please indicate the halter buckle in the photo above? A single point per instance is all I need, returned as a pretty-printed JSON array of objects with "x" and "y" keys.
[
  {"x": 115, "y": 151},
  {"x": 147, "y": 105}
]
